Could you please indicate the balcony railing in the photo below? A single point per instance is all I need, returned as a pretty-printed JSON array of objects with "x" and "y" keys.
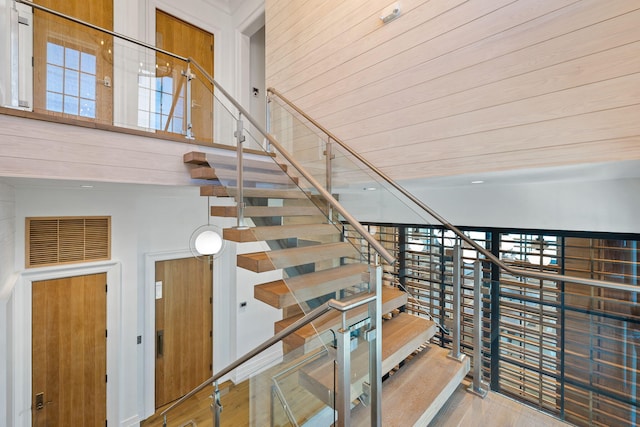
[{"x": 85, "y": 74}]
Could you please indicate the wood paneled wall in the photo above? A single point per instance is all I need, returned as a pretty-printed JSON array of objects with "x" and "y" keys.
[
  {"x": 39, "y": 149},
  {"x": 455, "y": 87}
]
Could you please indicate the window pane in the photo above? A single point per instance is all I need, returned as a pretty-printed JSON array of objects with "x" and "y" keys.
[
  {"x": 71, "y": 105},
  {"x": 143, "y": 99},
  {"x": 156, "y": 121},
  {"x": 88, "y": 63},
  {"x": 71, "y": 83},
  {"x": 158, "y": 103},
  {"x": 54, "y": 78},
  {"x": 167, "y": 85},
  {"x": 54, "y": 102},
  {"x": 166, "y": 104},
  {"x": 177, "y": 124},
  {"x": 143, "y": 119},
  {"x": 87, "y": 108},
  {"x": 179, "y": 111},
  {"x": 55, "y": 54},
  {"x": 87, "y": 86},
  {"x": 72, "y": 59}
]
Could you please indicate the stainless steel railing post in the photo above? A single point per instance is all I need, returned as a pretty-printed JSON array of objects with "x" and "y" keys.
[
  {"x": 216, "y": 406},
  {"x": 343, "y": 401},
  {"x": 189, "y": 103},
  {"x": 375, "y": 346},
  {"x": 328, "y": 152},
  {"x": 476, "y": 386},
  {"x": 240, "y": 138},
  {"x": 456, "y": 330}
]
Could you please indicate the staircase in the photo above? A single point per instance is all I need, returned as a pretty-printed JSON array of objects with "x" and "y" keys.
[{"x": 318, "y": 264}]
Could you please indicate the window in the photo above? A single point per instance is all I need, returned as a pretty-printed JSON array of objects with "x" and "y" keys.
[
  {"x": 156, "y": 108},
  {"x": 71, "y": 81}
]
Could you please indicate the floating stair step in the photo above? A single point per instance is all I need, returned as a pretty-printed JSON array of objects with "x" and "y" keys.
[
  {"x": 267, "y": 193},
  {"x": 430, "y": 376},
  {"x": 401, "y": 336},
  {"x": 205, "y": 172},
  {"x": 259, "y": 262},
  {"x": 265, "y": 211},
  {"x": 258, "y": 234},
  {"x": 392, "y": 298},
  {"x": 231, "y": 162},
  {"x": 286, "y": 292},
  {"x": 227, "y": 162}
]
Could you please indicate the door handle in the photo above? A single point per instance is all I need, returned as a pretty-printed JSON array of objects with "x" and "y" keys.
[{"x": 159, "y": 343}]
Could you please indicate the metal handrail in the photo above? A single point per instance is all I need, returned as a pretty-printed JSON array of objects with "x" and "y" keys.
[
  {"x": 323, "y": 192},
  {"x": 353, "y": 302},
  {"x": 490, "y": 256}
]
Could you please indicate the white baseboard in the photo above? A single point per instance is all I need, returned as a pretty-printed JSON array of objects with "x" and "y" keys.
[{"x": 131, "y": 422}]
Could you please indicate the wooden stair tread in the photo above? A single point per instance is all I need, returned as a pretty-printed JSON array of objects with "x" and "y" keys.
[
  {"x": 267, "y": 193},
  {"x": 441, "y": 376},
  {"x": 401, "y": 336},
  {"x": 258, "y": 234},
  {"x": 218, "y": 161},
  {"x": 285, "y": 292},
  {"x": 259, "y": 262},
  {"x": 248, "y": 175},
  {"x": 265, "y": 211},
  {"x": 392, "y": 298}
]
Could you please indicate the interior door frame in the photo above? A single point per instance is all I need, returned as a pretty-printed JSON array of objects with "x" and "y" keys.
[
  {"x": 223, "y": 324},
  {"x": 22, "y": 334}
]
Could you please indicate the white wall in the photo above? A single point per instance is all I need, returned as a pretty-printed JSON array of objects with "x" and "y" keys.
[
  {"x": 7, "y": 233},
  {"x": 601, "y": 197},
  {"x": 7, "y": 239},
  {"x": 257, "y": 80}
]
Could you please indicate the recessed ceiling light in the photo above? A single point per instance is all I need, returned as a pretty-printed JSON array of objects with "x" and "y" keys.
[
  {"x": 369, "y": 188},
  {"x": 86, "y": 186},
  {"x": 477, "y": 182}
]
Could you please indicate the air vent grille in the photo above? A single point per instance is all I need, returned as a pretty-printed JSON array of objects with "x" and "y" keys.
[{"x": 66, "y": 240}]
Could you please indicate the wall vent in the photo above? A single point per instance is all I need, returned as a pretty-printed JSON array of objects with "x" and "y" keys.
[{"x": 67, "y": 240}]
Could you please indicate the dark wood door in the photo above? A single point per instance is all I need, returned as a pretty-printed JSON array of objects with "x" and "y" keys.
[
  {"x": 69, "y": 347},
  {"x": 183, "y": 327}
]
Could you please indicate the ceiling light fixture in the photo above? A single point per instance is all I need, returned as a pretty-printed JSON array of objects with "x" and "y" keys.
[{"x": 477, "y": 182}]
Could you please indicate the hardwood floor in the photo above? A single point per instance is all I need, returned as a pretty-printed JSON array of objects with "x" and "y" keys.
[
  {"x": 197, "y": 410},
  {"x": 463, "y": 409}
]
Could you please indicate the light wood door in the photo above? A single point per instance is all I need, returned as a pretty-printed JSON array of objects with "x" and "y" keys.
[
  {"x": 73, "y": 64},
  {"x": 189, "y": 41},
  {"x": 69, "y": 351},
  {"x": 184, "y": 342}
]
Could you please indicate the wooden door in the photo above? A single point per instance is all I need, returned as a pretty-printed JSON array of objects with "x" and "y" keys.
[
  {"x": 184, "y": 342},
  {"x": 184, "y": 39},
  {"x": 69, "y": 347},
  {"x": 73, "y": 64}
]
